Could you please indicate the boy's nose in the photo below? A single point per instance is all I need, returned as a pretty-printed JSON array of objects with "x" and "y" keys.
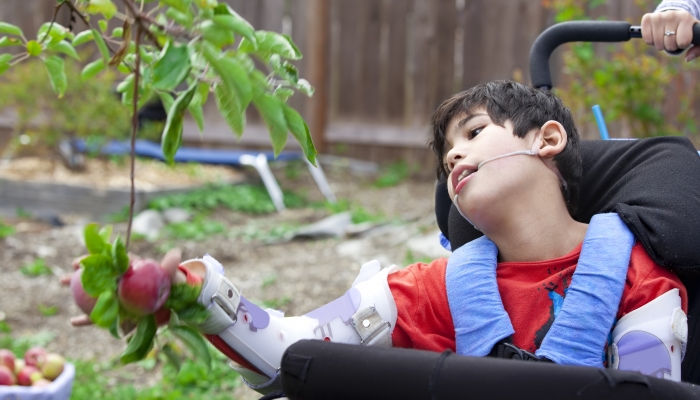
[{"x": 454, "y": 156}]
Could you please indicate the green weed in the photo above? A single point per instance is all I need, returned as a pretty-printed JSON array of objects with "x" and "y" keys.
[
  {"x": 276, "y": 304},
  {"x": 410, "y": 258},
  {"x": 6, "y": 230},
  {"x": 47, "y": 311},
  {"x": 250, "y": 199},
  {"x": 22, "y": 213},
  {"x": 36, "y": 268},
  {"x": 393, "y": 174},
  {"x": 198, "y": 229}
]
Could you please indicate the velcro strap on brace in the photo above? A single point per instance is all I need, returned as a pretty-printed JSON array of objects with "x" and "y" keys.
[
  {"x": 221, "y": 299},
  {"x": 372, "y": 329}
]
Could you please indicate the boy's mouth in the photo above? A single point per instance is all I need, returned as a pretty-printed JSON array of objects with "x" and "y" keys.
[{"x": 461, "y": 175}]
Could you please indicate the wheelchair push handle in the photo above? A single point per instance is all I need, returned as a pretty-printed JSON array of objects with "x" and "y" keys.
[{"x": 579, "y": 31}]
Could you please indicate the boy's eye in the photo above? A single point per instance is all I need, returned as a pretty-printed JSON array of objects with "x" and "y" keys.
[{"x": 475, "y": 131}]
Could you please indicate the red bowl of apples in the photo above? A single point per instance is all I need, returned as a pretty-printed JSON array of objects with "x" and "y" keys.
[{"x": 40, "y": 375}]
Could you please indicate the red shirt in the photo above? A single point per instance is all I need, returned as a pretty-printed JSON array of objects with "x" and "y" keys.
[{"x": 530, "y": 291}]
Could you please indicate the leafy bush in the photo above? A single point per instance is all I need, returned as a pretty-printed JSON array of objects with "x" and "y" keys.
[
  {"x": 89, "y": 109},
  {"x": 36, "y": 268},
  {"x": 630, "y": 81}
]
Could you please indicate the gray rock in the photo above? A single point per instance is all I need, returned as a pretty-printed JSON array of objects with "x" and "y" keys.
[
  {"x": 148, "y": 223},
  {"x": 333, "y": 226},
  {"x": 428, "y": 245},
  {"x": 175, "y": 215}
]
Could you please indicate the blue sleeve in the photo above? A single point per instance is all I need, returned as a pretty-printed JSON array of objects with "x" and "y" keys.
[{"x": 691, "y": 6}]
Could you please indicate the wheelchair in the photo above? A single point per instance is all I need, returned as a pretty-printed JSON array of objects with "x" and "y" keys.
[{"x": 652, "y": 184}]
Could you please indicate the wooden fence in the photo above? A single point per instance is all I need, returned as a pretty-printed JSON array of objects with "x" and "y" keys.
[{"x": 380, "y": 66}]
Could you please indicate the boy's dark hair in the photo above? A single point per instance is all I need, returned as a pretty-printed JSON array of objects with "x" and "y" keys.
[{"x": 527, "y": 108}]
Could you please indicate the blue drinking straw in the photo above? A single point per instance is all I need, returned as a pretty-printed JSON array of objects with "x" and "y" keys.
[{"x": 601, "y": 122}]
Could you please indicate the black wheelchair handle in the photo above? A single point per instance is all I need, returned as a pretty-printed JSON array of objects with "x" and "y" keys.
[{"x": 580, "y": 31}]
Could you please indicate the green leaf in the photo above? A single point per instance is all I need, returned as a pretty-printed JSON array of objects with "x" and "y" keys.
[
  {"x": 182, "y": 296},
  {"x": 104, "y": 7},
  {"x": 55, "y": 31},
  {"x": 272, "y": 112},
  {"x": 237, "y": 24},
  {"x": 284, "y": 93},
  {"x": 305, "y": 87},
  {"x": 300, "y": 131},
  {"x": 195, "y": 109},
  {"x": 101, "y": 45},
  {"x": 232, "y": 73},
  {"x": 195, "y": 342},
  {"x": 180, "y": 5},
  {"x": 33, "y": 48},
  {"x": 118, "y": 32},
  {"x": 167, "y": 101},
  {"x": 193, "y": 314},
  {"x": 83, "y": 37},
  {"x": 65, "y": 48},
  {"x": 98, "y": 275},
  {"x": 183, "y": 18},
  {"x": 120, "y": 257},
  {"x": 172, "y": 134},
  {"x": 114, "y": 328},
  {"x": 172, "y": 67},
  {"x": 106, "y": 310},
  {"x": 92, "y": 69},
  {"x": 94, "y": 242},
  {"x": 106, "y": 233},
  {"x": 10, "y": 29},
  {"x": 124, "y": 85},
  {"x": 57, "y": 74},
  {"x": 284, "y": 69},
  {"x": 271, "y": 43},
  {"x": 7, "y": 42},
  {"x": 5, "y": 62},
  {"x": 172, "y": 356},
  {"x": 142, "y": 341},
  {"x": 230, "y": 109},
  {"x": 215, "y": 35}
]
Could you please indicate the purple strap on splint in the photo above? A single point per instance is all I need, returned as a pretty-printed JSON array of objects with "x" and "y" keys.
[{"x": 344, "y": 307}]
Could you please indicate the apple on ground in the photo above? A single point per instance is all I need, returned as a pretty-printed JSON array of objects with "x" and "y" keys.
[
  {"x": 52, "y": 366},
  {"x": 7, "y": 358},
  {"x": 7, "y": 377},
  {"x": 35, "y": 356},
  {"x": 84, "y": 301},
  {"x": 41, "y": 382},
  {"x": 144, "y": 288},
  {"x": 19, "y": 364},
  {"x": 28, "y": 375}
]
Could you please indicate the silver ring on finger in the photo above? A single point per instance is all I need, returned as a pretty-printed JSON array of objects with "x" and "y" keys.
[{"x": 669, "y": 33}]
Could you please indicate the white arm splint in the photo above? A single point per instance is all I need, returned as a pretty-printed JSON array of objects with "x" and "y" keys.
[
  {"x": 366, "y": 314},
  {"x": 651, "y": 339}
]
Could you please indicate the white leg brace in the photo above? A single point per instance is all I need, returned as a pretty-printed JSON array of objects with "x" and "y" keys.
[
  {"x": 651, "y": 339},
  {"x": 256, "y": 338}
]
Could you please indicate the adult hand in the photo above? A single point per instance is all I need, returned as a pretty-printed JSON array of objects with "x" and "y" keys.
[
  {"x": 655, "y": 26},
  {"x": 170, "y": 263}
]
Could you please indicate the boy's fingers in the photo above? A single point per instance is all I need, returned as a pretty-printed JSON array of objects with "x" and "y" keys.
[
  {"x": 76, "y": 262},
  {"x": 82, "y": 320},
  {"x": 65, "y": 279},
  {"x": 170, "y": 262}
]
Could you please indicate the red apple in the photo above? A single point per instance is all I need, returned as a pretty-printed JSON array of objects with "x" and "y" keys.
[
  {"x": 82, "y": 299},
  {"x": 28, "y": 375},
  {"x": 144, "y": 288},
  {"x": 52, "y": 366},
  {"x": 41, "y": 382},
  {"x": 7, "y": 377},
  {"x": 35, "y": 356},
  {"x": 162, "y": 316},
  {"x": 7, "y": 358}
]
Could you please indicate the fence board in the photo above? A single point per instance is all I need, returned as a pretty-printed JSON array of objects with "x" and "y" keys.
[
  {"x": 394, "y": 93},
  {"x": 446, "y": 24},
  {"x": 423, "y": 59},
  {"x": 350, "y": 59},
  {"x": 369, "y": 82}
]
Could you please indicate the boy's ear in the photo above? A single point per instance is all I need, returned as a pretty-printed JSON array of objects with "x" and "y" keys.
[{"x": 553, "y": 139}]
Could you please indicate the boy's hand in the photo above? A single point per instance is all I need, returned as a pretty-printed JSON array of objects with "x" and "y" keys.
[
  {"x": 679, "y": 25},
  {"x": 170, "y": 263}
]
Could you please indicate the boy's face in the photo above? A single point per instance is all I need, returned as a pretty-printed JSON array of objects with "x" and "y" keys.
[{"x": 474, "y": 138}]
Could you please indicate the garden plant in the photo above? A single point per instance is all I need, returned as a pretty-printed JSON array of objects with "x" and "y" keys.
[{"x": 179, "y": 51}]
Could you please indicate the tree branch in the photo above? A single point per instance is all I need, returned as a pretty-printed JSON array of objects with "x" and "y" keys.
[
  {"x": 134, "y": 131},
  {"x": 53, "y": 21}
]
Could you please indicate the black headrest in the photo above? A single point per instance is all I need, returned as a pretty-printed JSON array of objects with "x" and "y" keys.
[{"x": 653, "y": 184}]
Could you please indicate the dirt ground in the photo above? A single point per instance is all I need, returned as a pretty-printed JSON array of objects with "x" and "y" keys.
[{"x": 295, "y": 276}]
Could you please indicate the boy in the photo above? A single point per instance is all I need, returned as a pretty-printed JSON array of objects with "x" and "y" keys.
[{"x": 511, "y": 156}]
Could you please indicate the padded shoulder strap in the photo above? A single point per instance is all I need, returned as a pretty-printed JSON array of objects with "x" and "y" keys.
[{"x": 580, "y": 330}]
